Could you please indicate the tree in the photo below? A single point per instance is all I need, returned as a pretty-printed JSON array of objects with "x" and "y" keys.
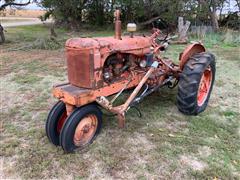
[
  {"x": 212, "y": 6},
  {"x": 238, "y": 4},
  {"x": 69, "y": 12},
  {"x": 6, "y": 3},
  {"x": 74, "y": 13},
  {"x": 3, "y": 5},
  {"x": 98, "y": 12}
]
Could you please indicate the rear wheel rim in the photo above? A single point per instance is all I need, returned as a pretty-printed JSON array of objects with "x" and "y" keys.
[
  {"x": 204, "y": 86},
  {"x": 85, "y": 130}
]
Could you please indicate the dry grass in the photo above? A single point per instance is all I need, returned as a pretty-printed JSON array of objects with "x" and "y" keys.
[
  {"x": 22, "y": 13},
  {"x": 163, "y": 144}
]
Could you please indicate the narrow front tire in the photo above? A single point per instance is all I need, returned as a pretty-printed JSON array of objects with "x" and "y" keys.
[
  {"x": 81, "y": 128},
  {"x": 55, "y": 121}
]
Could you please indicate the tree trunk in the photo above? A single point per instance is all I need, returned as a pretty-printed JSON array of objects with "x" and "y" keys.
[
  {"x": 129, "y": 16},
  {"x": 112, "y": 4},
  {"x": 183, "y": 29},
  {"x": 238, "y": 4},
  {"x": 149, "y": 21},
  {"x": 211, "y": 12},
  {"x": 214, "y": 20},
  {"x": 2, "y": 37},
  {"x": 213, "y": 15}
]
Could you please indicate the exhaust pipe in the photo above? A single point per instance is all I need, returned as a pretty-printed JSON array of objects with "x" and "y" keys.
[{"x": 118, "y": 23}]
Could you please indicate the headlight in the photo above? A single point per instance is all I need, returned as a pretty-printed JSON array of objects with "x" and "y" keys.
[
  {"x": 131, "y": 27},
  {"x": 106, "y": 75},
  {"x": 143, "y": 63}
]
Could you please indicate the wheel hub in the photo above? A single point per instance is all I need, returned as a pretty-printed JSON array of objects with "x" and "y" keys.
[{"x": 85, "y": 130}]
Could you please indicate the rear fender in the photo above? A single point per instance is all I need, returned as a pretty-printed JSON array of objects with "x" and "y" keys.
[{"x": 190, "y": 51}]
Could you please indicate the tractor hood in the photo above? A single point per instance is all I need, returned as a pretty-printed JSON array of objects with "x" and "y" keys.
[
  {"x": 137, "y": 45},
  {"x": 86, "y": 56}
]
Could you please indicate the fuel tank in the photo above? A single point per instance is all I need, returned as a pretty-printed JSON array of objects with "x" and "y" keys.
[{"x": 86, "y": 56}]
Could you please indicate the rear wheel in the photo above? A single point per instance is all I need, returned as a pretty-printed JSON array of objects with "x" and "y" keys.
[
  {"x": 196, "y": 83},
  {"x": 55, "y": 121},
  {"x": 81, "y": 128}
]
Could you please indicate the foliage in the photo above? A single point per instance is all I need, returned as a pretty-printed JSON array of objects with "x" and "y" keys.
[
  {"x": 69, "y": 12},
  {"x": 231, "y": 21},
  {"x": 75, "y": 12}
]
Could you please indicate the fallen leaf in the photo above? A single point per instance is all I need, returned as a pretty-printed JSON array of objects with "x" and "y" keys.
[
  {"x": 171, "y": 135},
  {"x": 161, "y": 129}
]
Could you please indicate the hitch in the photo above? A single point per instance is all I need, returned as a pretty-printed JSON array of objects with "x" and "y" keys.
[{"x": 122, "y": 109}]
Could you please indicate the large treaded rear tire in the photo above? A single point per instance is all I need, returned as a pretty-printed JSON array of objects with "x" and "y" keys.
[{"x": 189, "y": 83}]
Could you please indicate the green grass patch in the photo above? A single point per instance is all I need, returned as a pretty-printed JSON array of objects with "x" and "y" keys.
[
  {"x": 224, "y": 39},
  {"x": 38, "y": 37},
  {"x": 27, "y": 79}
]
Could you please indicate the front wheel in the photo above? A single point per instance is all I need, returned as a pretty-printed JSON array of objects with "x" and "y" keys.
[
  {"x": 55, "y": 121},
  {"x": 81, "y": 127},
  {"x": 196, "y": 83}
]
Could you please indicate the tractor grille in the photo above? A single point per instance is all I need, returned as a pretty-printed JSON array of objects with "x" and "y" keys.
[{"x": 80, "y": 65}]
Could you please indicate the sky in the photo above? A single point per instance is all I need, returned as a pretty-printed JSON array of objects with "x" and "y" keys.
[{"x": 33, "y": 6}]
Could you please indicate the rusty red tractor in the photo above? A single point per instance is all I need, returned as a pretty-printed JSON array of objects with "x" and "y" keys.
[{"x": 102, "y": 67}]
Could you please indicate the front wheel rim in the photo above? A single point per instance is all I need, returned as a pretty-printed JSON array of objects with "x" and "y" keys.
[
  {"x": 204, "y": 86},
  {"x": 85, "y": 130},
  {"x": 61, "y": 121}
]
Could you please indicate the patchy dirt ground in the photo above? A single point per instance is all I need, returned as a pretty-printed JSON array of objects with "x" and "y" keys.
[{"x": 163, "y": 144}]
